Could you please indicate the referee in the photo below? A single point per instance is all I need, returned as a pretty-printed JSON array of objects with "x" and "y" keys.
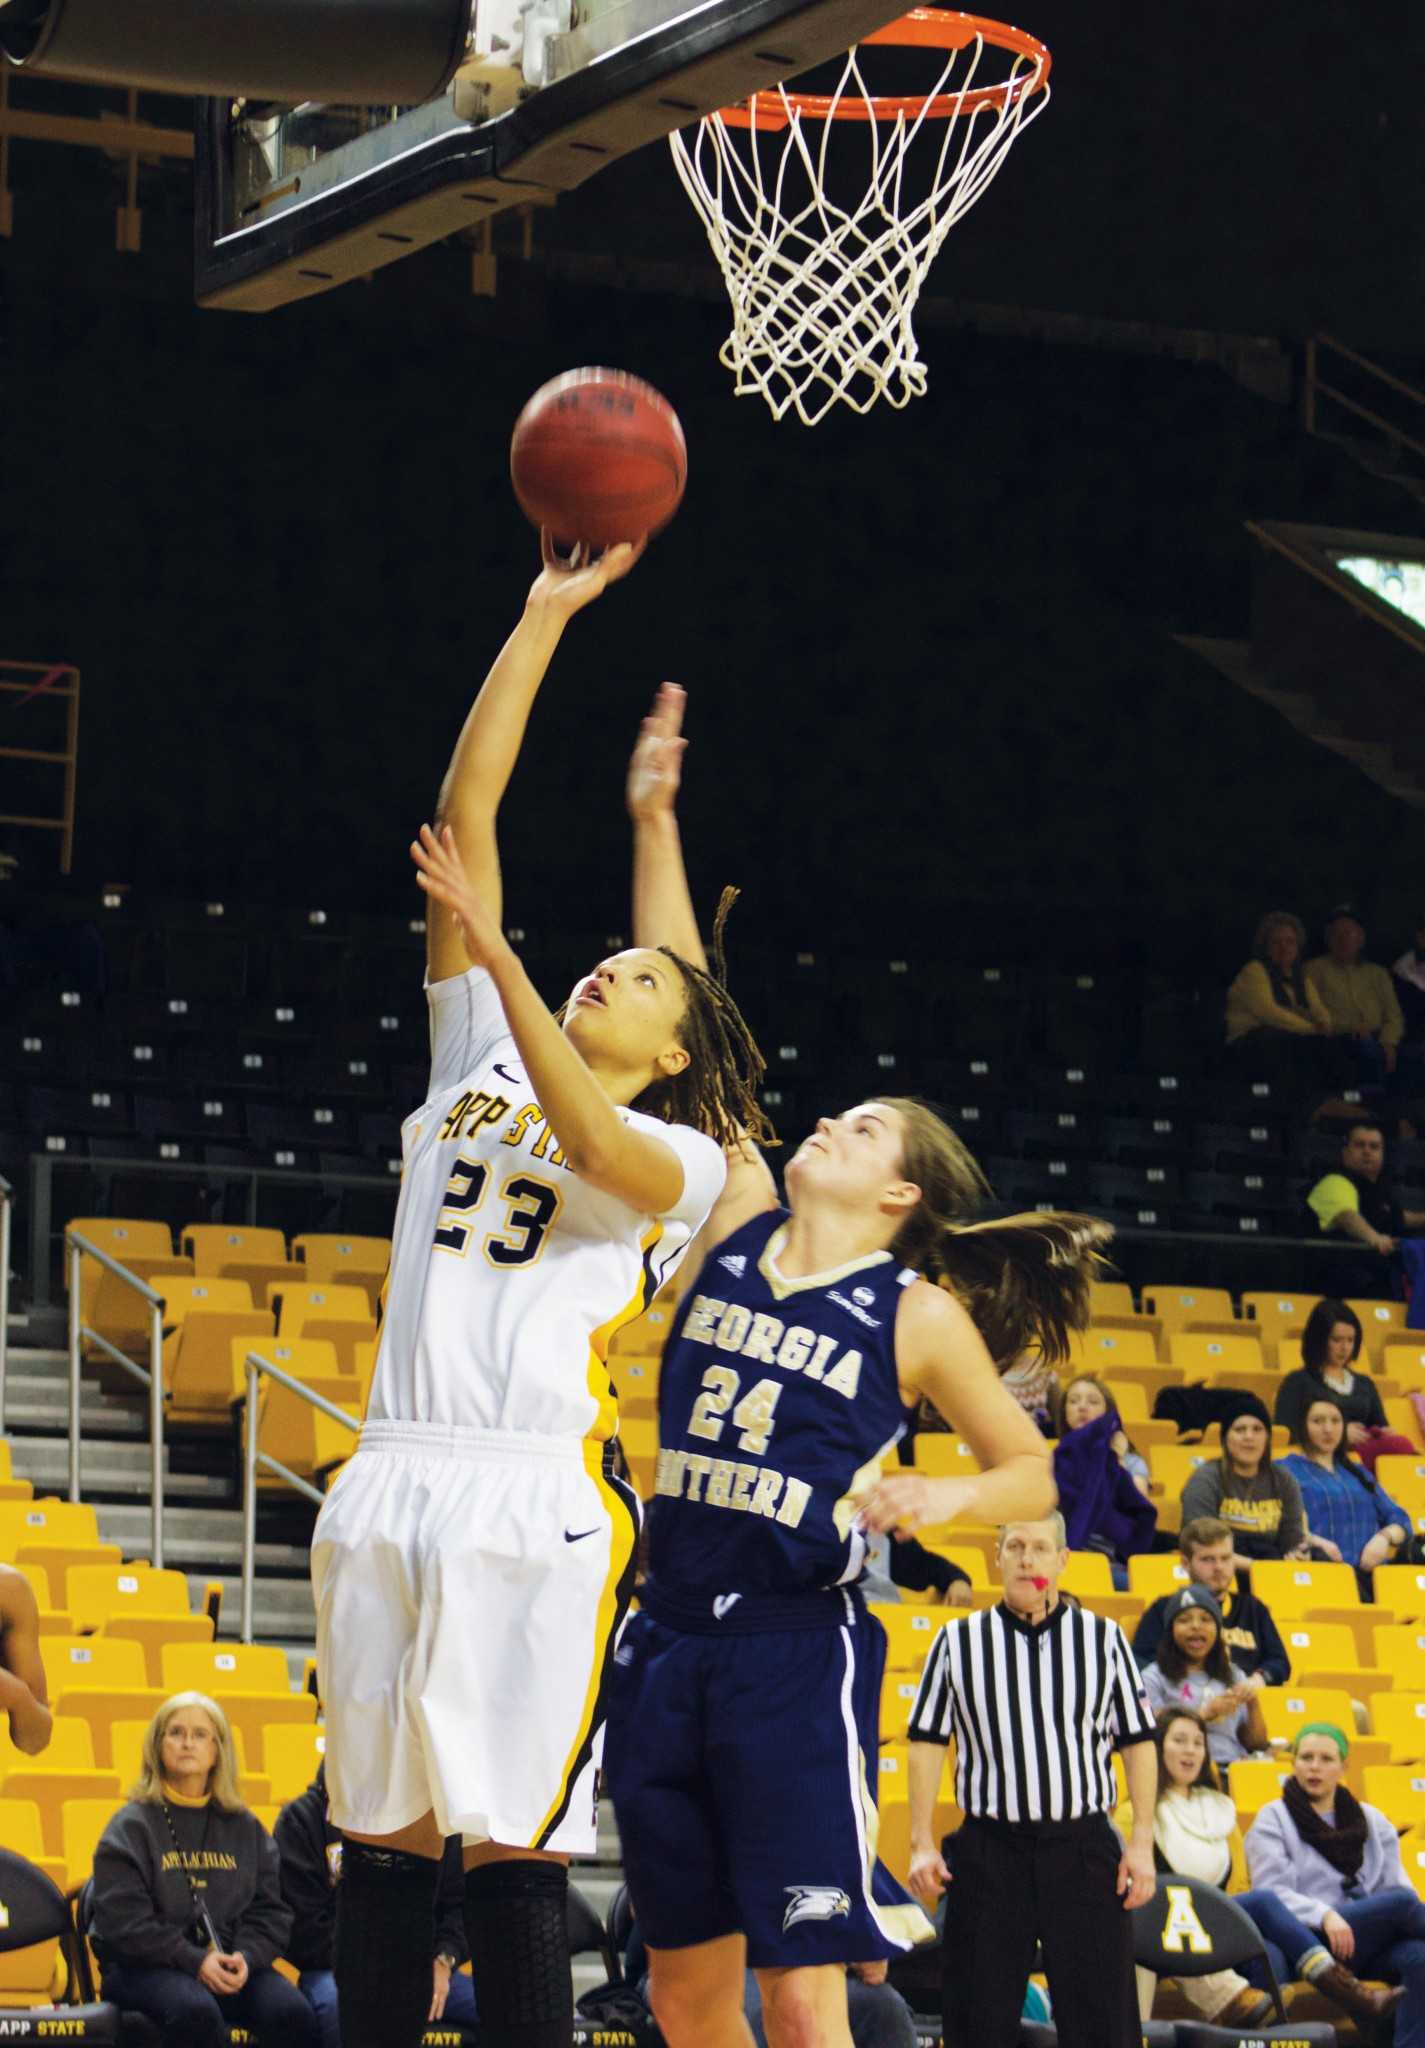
[{"x": 1037, "y": 1693}]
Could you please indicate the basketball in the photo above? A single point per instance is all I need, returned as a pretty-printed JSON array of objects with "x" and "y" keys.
[{"x": 598, "y": 456}]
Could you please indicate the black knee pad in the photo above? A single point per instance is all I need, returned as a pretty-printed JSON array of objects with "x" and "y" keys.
[
  {"x": 385, "y": 1945},
  {"x": 516, "y": 1922}
]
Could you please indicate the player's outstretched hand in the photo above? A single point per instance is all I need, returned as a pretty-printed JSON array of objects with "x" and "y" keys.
[
  {"x": 567, "y": 583},
  {"x": 928, "y": 1875},
  {"x": 908, "y": 1501},
  {"x": 656, "y": 765},
  {"x": 442, "y": 876}
]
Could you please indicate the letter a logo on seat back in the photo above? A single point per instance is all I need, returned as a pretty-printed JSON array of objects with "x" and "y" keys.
[{"x": 1181, "y": 1926}]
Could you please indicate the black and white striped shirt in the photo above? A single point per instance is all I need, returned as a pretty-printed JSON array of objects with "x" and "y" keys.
[{"x": 1036, "y": 1711}]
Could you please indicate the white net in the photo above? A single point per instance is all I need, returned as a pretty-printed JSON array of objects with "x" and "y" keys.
[{"x": 823, "y": 287}]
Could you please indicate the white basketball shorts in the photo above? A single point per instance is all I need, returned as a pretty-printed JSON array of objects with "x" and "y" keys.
[{"x": 469, "y": 1587}]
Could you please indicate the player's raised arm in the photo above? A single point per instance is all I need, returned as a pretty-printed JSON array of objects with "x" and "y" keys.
[
  {"x": 599, "y": 1146},
  {"x": 663, "y": 915},
  {"x": 23, "y": 1695},
  {"x": 490, "y": 740}
]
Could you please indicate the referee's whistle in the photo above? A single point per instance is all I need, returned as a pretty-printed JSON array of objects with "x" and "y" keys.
[{"x": 1040, "y": 1584}]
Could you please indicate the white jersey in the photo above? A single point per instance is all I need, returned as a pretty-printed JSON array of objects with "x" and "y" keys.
[{"x": 509, "y": 1274}]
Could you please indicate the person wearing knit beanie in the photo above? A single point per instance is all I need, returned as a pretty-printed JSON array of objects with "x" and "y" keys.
[{"x": 1259, "y": 1502}]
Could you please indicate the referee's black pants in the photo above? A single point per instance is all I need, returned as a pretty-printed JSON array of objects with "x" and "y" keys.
[{"x": 1055, "y": 1883}]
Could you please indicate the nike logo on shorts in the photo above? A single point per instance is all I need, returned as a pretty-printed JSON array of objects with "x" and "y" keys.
[{"x": 578, "y": 1535}]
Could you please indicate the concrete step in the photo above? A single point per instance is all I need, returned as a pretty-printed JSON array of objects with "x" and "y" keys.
[
  {"x": 207, "y": 1540},
  {"x": 283, "y": 1609},
  {"x": 108, "y": 1468},
  {"x": 39, "y": 1404}
]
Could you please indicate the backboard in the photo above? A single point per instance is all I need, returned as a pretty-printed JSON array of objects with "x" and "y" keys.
[{"x": 294, "y": 200}]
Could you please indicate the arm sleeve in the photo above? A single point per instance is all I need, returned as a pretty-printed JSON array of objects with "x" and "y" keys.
[
  {"x": 1333, "y": 1196},
  {"x": 1291, "y": 1399},
  {"x": 466, "y": 1026},
  {"x": 263, "y": 1929},
  {"x": 1253, "y": 990},
  {"x": 1387, "y": 1510},
  {"x": 1293, "y": 1522},
  {"x": 1275, "y": 1665},
  {"x": 126, "y": 1919},
  {"x": 1132, "y": 1711},
  {"x": 1393, "y": 1873},
  {"x": 307, "y": 1888},
  {"x": 1375, "y": 1407},
  {"x": 1271, "y": 1865},
  {"x": 450, "y": 1907},
  {"x": 919, "y": 1569},
  {"x": 1148, "y": 1635},
  {"x": 1203, "y": 1493},
  {"x": 1392, "y": 1027},
  {"x": 932, "y": 1716}
]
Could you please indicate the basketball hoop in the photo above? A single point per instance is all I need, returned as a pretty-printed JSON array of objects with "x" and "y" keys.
[{"x": 823, "y": 293}]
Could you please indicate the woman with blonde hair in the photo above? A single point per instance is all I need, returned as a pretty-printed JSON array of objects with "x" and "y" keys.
[
  {"x": 188, "y": 1912},
  {"x": 1278, "y": 1028}
]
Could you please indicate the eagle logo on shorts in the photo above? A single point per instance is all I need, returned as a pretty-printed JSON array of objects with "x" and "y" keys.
[{"x": 814, "y": 1902}]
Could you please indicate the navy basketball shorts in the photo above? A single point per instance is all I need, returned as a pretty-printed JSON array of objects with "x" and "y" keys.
[{"x": 740, "y": 1765}]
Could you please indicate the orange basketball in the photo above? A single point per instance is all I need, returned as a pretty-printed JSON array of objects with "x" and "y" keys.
[{"x": 598, "y": 456}]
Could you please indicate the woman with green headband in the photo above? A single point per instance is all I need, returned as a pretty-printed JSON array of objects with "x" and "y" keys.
[{"x": 1330, "y": 1895}]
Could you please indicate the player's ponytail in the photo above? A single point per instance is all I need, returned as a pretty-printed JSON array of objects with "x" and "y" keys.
[
  {"x": 717, "y": 1091},
  {"x": 1024, "y": 1279}
]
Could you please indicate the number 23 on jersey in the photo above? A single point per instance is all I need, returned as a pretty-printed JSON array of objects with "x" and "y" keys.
[{"x": 530, "y": 1209}]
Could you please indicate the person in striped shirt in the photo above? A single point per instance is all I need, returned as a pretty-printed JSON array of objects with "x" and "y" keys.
[{"x": 1037, "y": 1693}]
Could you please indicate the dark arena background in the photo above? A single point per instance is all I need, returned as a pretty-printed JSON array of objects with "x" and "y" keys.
[{"x": 1011, "y": 714}]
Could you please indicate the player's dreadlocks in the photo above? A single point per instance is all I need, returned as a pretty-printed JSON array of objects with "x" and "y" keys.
[
  {"x": 1024, "y": 1279},
  {"x": 717, "y": 1091}
]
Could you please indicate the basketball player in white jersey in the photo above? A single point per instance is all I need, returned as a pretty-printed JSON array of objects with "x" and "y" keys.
[{"x": 475, "y": 1558}]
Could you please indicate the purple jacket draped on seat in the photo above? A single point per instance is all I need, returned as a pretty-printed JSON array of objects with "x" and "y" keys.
[{"x": 1097, "y": 1498}]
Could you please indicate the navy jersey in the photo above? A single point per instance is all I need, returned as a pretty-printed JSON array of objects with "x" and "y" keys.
[{"x": 777, "y": 1403}]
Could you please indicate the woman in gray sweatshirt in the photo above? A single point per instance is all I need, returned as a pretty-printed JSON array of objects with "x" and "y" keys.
[{"x": 188, "y": 1912}]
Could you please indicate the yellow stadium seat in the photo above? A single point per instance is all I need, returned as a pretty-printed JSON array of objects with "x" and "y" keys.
[
  {"x": 124, "y": 1238},
  {"x": 100, "y": 1707},
  {"x": 330, "y": 1256},
  {"x": 1180, "y": 1308},
  {"x": 1214, "y": 1357},
  {"x": 97, "y": 1593},
  {"x": 639, "y": 1401},
  {"x": 1400, "y": 1649},
  {"x": 1399, "y": 1792},
  {"x": 217, "y": 1668},
  {"x": 969, "y": 1557},
  {"x": 943, "y": 1456},
  {"x": 1400, "y": 1416},
  {"x": 646, "y": 1335},
  {"x": 1292, "y": 1588},
  {"x": 287, "y": 1425},
  {"x": 1254, "y": 1782},
  {"x": 639, "y": 1437},
  {"x": 1133, "y": 1326},
  {"x": 1277, "y": 1315},
  {"x": 1403, "y": 1358},
  {"x": 362, "y": 1362},
  {"x": 330, "y": 1302},
  {"x": 250, "y": 1714},
  {"x": 82, "y": 1822},
  {"x": 197, "y": 1355},
  {"x": 305, "y": 1358},
  {"x": 331, "y": 1447},
  {"x": 893, "y": 1833},
  {"x": 49, "y": 1786},
  {"x": 211, "y": 1246},
  {"x": 264, "y": 1277},
  {"x": 1155, "y": 1574},
  {"x": 1104, "y": 1351},
  {"x": 1287, "y": 1709},
  {"x": 1152, "y": 1378},
  {"x": 54, "y": 1621},
  {"x": 1399, "y": 1591},
  {"x": 1086, "y": 1575},
  {"x": 291, "y": 1755},
  {"x": 1170, "y": 1466},
  {"x": 1399, "y": 1719},
  {"x": 91, "y": 1660},
  {"x": 267, "y": 1816},
  {"x": 59, "y": 1559},
  {"x": 910, "y": 1631},
  {"x": 22, "y": 1831},
  {"x": 1130, "y": 1398},
  {"x": 898, "y": 1691},
  {"x": 1380, "y": 1321},
  {"x": 1110, "y": 1298},
  {"x": 1288, "y": 1354},
  {"x": 152, "y": 1631},
  {"x": 1403, "y": 1479},
  {"x": 122, "y": 1317},
  {"x": 205, "y": 1294},
  {"x": 46, "y": 1521},
  {"x": 70, "y": 1745},
  {"x": 1412, "y": 1856},
  {"x": 1326, "y": 1653}
]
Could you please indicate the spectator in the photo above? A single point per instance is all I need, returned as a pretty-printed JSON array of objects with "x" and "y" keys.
[
  {"x": 1409, "y": 972},
  {"x": 1192, "y": 1669},
  {"x": 1350, "y": 1518},
  {"x": 1329, "y": 1889},
  {"x": 1330, "y": 1346},
  {"x": 1193, "y": 1826},
  {"x": 1278, "y": 1028},
  {"x": 895, "y": 1560},
  {"x": 1105, "y": 1505},
  {"x": 1035, "y": 1385},
  {"x": 188, "y": 1911},
  {"x": 1357, "y": 1199},
  {"x": 310, "y": 1851},
  {"x": 1251, "y": 1636},
  {"x": 1358, "y": 995},
  {"x": 1259, "y": 1502},
  {"x": 23, "y": 1694}
]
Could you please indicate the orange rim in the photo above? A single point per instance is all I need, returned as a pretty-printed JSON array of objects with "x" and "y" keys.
[{"x": 926, "y": 28}]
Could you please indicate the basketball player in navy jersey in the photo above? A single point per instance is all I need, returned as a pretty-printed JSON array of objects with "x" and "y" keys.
[{"x": 743, "y": 1722}]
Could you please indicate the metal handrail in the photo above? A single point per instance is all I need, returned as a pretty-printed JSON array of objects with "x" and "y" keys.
[
  {"x": 7, "y": 1203},
  {"x": 1315, "y": 385},
  {"x": 79, "y": 1248},
  {"x": 256, "y": 1366}
]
